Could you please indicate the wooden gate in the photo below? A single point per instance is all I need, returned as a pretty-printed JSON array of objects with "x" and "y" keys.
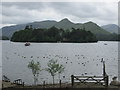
[
  {"x": 103, "y": 80},
  {"x": 90, "y": 79}
]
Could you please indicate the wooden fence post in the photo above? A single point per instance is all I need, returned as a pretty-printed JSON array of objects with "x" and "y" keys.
[
  {"x": 60, "y": 83},
  {"x": 2, "y": 85},
  {"x": 72, "y": 80},
  {"x": 23, "y": 84},
  {"x": 107, "y": 80},
  {"x": 43, "y": 84}
]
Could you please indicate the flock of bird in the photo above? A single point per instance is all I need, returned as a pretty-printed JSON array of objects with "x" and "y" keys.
[
  {"x": 58, "y": 57},
  {"x": 79, "y": 59}
]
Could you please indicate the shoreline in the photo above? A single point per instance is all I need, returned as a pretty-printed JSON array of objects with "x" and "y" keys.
[{"x": 10, "y": 85}]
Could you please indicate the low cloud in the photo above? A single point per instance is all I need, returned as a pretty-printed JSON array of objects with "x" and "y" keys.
[{"x": 24, "y": 12}]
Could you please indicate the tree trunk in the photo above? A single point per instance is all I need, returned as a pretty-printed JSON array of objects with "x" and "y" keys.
[
  {"x": 59, "y": 76},
  {"x": 53, "y": 80},
  {"x": 34, "y": 80}
]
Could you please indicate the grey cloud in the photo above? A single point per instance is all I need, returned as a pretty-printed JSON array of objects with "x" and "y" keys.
[
  {"x": 25, "y": 5},
  {"x": 15, "y": 20},
  {"x": 78, "y": 9},
  {"x": 20, "y": 12},
  {"x": 12, "y": 11},
  {"x": 83, "y": 10}
]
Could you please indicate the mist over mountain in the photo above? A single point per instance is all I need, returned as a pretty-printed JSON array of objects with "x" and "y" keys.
[
  {"x": 113, "y": 28},
  {"x": 64, "y": 24}
]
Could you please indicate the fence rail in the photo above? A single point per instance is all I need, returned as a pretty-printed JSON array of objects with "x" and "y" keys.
[
  {"x": 103, "y": 80},
  {"x": 5, "y": 78},
  {"x": 18, "y": 82}
]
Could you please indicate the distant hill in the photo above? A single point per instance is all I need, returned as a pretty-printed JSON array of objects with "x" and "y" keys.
[
  {"x": 113, "y": 28},
  {"x": 64, "y": 24},
  {"x": 9, "y": 30}
]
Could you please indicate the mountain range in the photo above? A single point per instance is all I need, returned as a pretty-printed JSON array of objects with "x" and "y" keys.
[
  {"x": 64, "y": 24},
  {"x": 113, "y": 28}
]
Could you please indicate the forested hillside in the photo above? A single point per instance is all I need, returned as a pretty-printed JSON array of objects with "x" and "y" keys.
[{"x": 53, "y": 34}]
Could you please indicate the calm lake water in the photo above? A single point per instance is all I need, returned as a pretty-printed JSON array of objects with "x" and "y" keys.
[{"x": 78, "y": 59}]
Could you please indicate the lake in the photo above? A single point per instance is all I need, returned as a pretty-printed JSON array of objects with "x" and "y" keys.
[{"x": 78, "y": 59}]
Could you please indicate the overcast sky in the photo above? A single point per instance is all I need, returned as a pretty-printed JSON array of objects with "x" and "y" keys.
[{"x": 101, "y": 13}]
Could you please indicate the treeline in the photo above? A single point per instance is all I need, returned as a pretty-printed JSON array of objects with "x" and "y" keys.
[
  {"x": 109, "y": 37},
  {"x": 53, "y": 34},
  {"x": 4, "y": 38}
]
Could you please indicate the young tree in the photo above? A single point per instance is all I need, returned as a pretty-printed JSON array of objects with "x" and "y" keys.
[
  {"x": 36, "y": 68},
  {"x": 60, "y": 69},
  {"x": 54, "y": 68}
]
